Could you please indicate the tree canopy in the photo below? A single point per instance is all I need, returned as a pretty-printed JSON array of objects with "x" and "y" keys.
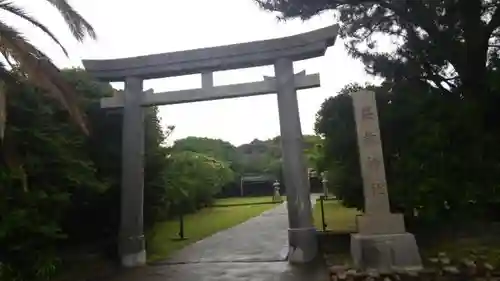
[
  {"x": 438, "y": 169},
  {"x": 255, "y": 157},
  {"x": 67, "y": 194},
  {"x": 18, "y": 53},
  {"x": 219, "y": 149},
  {"x": 448, "y": 43},
  {"x": 437, "y": 104},
  {"x": 194, "y": 178}
]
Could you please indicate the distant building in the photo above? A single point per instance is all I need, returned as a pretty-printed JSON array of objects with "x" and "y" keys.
[{"x": 257, "y": 185}]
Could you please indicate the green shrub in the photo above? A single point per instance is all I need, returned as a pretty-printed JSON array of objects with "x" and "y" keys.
[
  {"x": 60, "y": 188},
  {"x": 430, "y": 151}
]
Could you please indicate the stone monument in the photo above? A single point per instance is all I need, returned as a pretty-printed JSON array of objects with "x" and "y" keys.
[
  {"x": 279, "y": 52},
  {"x": 381, "y": 242},
  {"x": 276, "y": 191}
]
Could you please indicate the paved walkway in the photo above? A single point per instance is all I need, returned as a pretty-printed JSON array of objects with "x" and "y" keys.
[
  {"x": 253, "y": 250},
  {"x": 263, "y": 238}
]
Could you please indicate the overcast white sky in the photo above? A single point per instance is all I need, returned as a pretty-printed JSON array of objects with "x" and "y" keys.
[{"x": 131, "y": 28}]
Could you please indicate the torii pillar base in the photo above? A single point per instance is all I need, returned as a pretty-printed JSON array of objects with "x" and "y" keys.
[{"x": 303, "y": 245}]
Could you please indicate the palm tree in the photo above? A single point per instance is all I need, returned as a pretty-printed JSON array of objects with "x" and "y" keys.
[{"x": 18, "y": 53}]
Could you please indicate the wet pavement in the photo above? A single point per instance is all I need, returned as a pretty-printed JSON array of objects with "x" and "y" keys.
[
  {"x": 229, "y": 271},
  {"x": 263, "y": 238},
  {"x": 253, "y": 250}
]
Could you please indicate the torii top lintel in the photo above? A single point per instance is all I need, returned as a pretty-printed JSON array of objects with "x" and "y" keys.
[{"x": 297, "y": 47}]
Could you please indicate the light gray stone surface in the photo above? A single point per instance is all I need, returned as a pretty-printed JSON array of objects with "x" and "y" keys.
[
  {"x": 385, "y": 252},
  {"x": 134, "y": 260},
  {"x": 265, "y": 52},
  {"x": 268, "y": 86},
  {"x": 302, "y": 235},
  {"x": 382, "y": 242},
  {"x": 303, "y": 245},
  {"x": 131, "y": 241},
  {"x": 370, "y": 153},
  {"x": 381, "y": 224}
]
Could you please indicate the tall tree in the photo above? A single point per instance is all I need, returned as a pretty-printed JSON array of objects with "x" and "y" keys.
[
  {"x": 18, "y": 53},
  {"x": 194, "y": 178},
  {"x": 448, "y": 43},
  {"x": 72, "y": 194}
]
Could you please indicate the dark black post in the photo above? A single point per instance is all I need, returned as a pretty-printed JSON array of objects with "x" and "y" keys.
[
  {"x": 321, "y": 198},
  {"x": 181, "y": 226}
]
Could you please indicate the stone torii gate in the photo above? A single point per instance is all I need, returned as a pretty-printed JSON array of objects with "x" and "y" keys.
[{"x": 281, "y": 53}]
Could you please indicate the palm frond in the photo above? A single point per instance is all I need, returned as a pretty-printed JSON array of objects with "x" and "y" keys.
[
  {"x": 41, "y": 71},
  {"x": 18, "y": 11},
  {"x": 77, "y": 24}
]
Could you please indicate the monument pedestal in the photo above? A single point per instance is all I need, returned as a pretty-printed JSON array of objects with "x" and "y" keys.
[
  {"x": 303, "y": 245},
  {"x": 385, "y": 252},
  {"x": 383, "y": 244}
]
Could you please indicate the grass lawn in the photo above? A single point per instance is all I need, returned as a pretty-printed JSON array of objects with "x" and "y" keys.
[
  {"x": 198, "y": 226},
  {"x": 337, "y": 217},
  {"x": 244, "y": 200}
]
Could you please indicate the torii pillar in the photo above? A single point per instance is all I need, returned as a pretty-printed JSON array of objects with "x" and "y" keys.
[{"x": 301, "y": 232}]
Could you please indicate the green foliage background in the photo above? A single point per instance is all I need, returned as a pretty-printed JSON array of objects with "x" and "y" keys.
[
  {"x": 60, "y": 189},
  {"x": 438, "y": 105},
  {"x": 439, "y": 170},
  {"x": 66, "y": 197}
]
